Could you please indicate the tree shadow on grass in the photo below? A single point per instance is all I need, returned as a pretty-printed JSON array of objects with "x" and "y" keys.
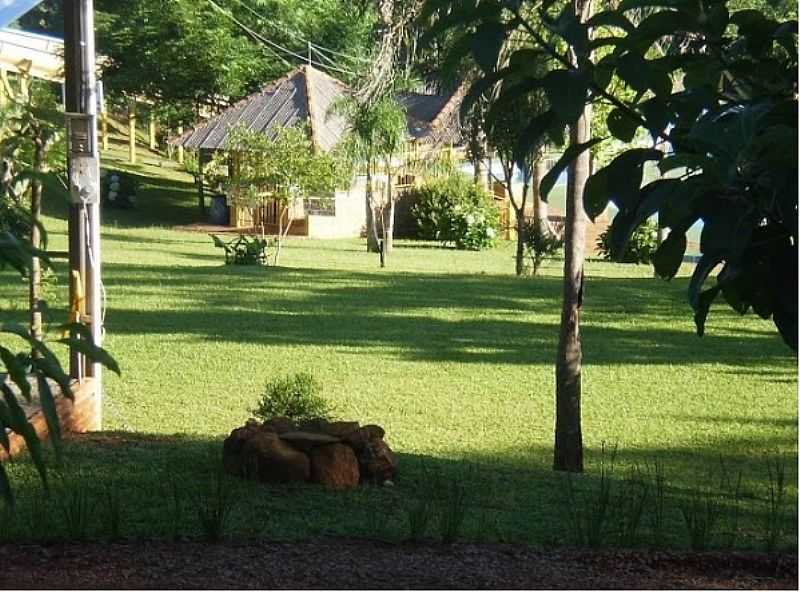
[
  {"x": 159, "y": 202},
  {"x": 511, "y": 495},
  {"x": 430, "y": 317}
]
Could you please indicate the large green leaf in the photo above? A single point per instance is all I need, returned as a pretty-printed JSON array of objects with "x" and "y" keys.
[
  {"x": 566, "y": 90},
  {"x": 94, "y": 353},
  {"x": 570, "y": 154},
  {"x": 80, "y": 337},
  {"x": 661, "y": 24},
  {"x": 5, "y": 487},
  {"x": 5, "y": 422},
  {"x": 611, "y": 18},
  {"x": 704, "y": 304},
  {"x": 620, "y": 181},
  {"x": 533, "y": 136},
  {"x": 486, "y": 44},
  {"x": 17, "y": 372},
  {"x": 668, "y": 257},
  {"x": 19, "y": 423},
  {"x": 643, "y": 75},
  {"x": 704, "y": 267},
  {"x": 622, "y": 125},
  {"x": 50, "y": 412},
  {"x": 651, "y": 199}
]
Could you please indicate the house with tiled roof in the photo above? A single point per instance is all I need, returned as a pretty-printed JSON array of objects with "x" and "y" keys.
[{"x": 305, "y": 96}]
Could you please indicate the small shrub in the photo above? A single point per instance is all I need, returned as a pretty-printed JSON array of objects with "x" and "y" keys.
[
  {"x": 244, "y": 250},
  {"x": 540, "y": 245},
  {"x": 175, "y": 505},
  {"x": 454, "y": 211},
  {"x": 701, "y": 512},
  {"x": 640, "y": 248},
  {"x": 75, "y": 502},
  {"x": 658, "y": 485},
  {"x": 588, "y": 514},
  {"x": 630, "y": 503},
  {"x": 776, "y": 516},
  {"x": 112, "y": 499},
  {"x": 214, "y": 507},
  {"x": 13, "y": 216},
  {"x": 419, "y": 516},
  {"x": 297, "y": 397},
  {"x": 453, "y": 507}
]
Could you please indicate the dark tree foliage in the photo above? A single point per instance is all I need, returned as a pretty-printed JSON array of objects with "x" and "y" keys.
[{"x": 725, "y": 104}]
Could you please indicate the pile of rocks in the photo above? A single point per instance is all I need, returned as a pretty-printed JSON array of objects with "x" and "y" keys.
[{"x": 335, "y": 454}]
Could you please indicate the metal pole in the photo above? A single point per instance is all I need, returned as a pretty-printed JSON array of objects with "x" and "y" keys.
[{"x": 81, "y": 95}]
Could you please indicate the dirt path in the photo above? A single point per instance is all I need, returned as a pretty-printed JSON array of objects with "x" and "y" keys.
[{"x": 366, "y": 564}]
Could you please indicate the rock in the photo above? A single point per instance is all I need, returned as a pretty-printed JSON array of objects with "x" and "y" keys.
[
  {"x": 359, "y": 439},
  {"x": 232, "y": 447},
  {"x": 305, "y": 441},
  {"x": 279, "y": 425},
  {"x": 377, "y": 461},
  {"x": 340, "y": 428},
  {"x": 316, "y": 426},
  {"x": 334, "y": 466},
  {"x": 269, "y": 459}
]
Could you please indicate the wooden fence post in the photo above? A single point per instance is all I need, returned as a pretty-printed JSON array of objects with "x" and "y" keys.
[
  {"x": 152, "y": 131},
  {"x": 180, "y": 148},
  {"x": 132, "y": 131}
]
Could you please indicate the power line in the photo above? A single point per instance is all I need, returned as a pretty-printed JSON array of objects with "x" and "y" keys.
[
  {"x": 298, "y": 37},
  {"x": 276, "y": 46}
]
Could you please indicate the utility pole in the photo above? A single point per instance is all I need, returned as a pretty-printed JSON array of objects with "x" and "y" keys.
[{"x": 84, "y": 181}]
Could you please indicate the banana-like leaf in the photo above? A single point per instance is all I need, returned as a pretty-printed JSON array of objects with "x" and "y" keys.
[
  {"x": 80, "y": 337},
  {"x": 22, "y": 427},
  {"x": 707, "y": 263},
  {"x": 48, "y": 403},
  {"x": 668, "y": 257},
  {"x": 5, "y": 487},
  {"x": 570, "y": 154},
  {"x": 5, "y": 423},
  {"x": 17, "y": 372},
  {"x": 703, "y": 306},
  {"x": 94, "y": 353}
]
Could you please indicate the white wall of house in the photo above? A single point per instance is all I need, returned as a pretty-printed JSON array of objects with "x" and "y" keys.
[{"x": 350, "y": 217}]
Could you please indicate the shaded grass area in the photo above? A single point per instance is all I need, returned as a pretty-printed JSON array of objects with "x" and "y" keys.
[{"x": 446, "y": 350}]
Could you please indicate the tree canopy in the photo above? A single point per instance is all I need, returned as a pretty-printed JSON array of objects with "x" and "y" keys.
[{"x": 725, "y": 103}]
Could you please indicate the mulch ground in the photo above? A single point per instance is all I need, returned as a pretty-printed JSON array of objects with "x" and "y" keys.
[{"x": 356, "y": 564}]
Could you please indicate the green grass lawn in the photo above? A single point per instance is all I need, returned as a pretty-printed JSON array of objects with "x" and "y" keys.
[{"x": 447, "y": 350}]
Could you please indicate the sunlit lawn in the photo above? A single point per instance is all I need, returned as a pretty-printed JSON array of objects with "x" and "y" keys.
[{"x": 447, "y": 350}]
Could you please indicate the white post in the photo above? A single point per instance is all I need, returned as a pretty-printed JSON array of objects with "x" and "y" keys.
[
  {"x": 84, "y": 162},
  {"x": 94, "y": 300}
]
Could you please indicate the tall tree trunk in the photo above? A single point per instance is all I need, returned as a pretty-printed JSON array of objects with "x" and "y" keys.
[
  {"x": 540, "y": 215},
  {"x": 36, "y": 243},
  {"x": 520, "y": 254},
  {"x": 568, "y": 454},
  {"x": 388, "y": 220},
  {"x": 372, "y": 240}
]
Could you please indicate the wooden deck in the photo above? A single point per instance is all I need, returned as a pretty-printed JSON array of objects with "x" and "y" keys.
[{"x": 78, "y": 416}]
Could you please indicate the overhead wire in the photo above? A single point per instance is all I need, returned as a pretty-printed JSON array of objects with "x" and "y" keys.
[
  {"x": 276, "y": 46},
  {"x": 320, "y": 49}
]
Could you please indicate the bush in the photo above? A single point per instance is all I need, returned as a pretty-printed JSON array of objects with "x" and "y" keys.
[
  {"x": 453, "y": 210},
  {"x": 243, "y": 250},
  {"x": 294, "y": 396},
  {"x": 640, "y": 248},
  {"x": 540, "y": 245}
]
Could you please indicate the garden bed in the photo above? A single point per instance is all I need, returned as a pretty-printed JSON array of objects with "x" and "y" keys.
[{"x": 362, "y": 564}]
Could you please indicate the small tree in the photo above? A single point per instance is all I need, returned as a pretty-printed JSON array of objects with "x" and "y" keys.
[
  {"x": 284, "y": 169},
  {"x": 32, "y": 145},
  {"x": 378, "y": 131}
]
